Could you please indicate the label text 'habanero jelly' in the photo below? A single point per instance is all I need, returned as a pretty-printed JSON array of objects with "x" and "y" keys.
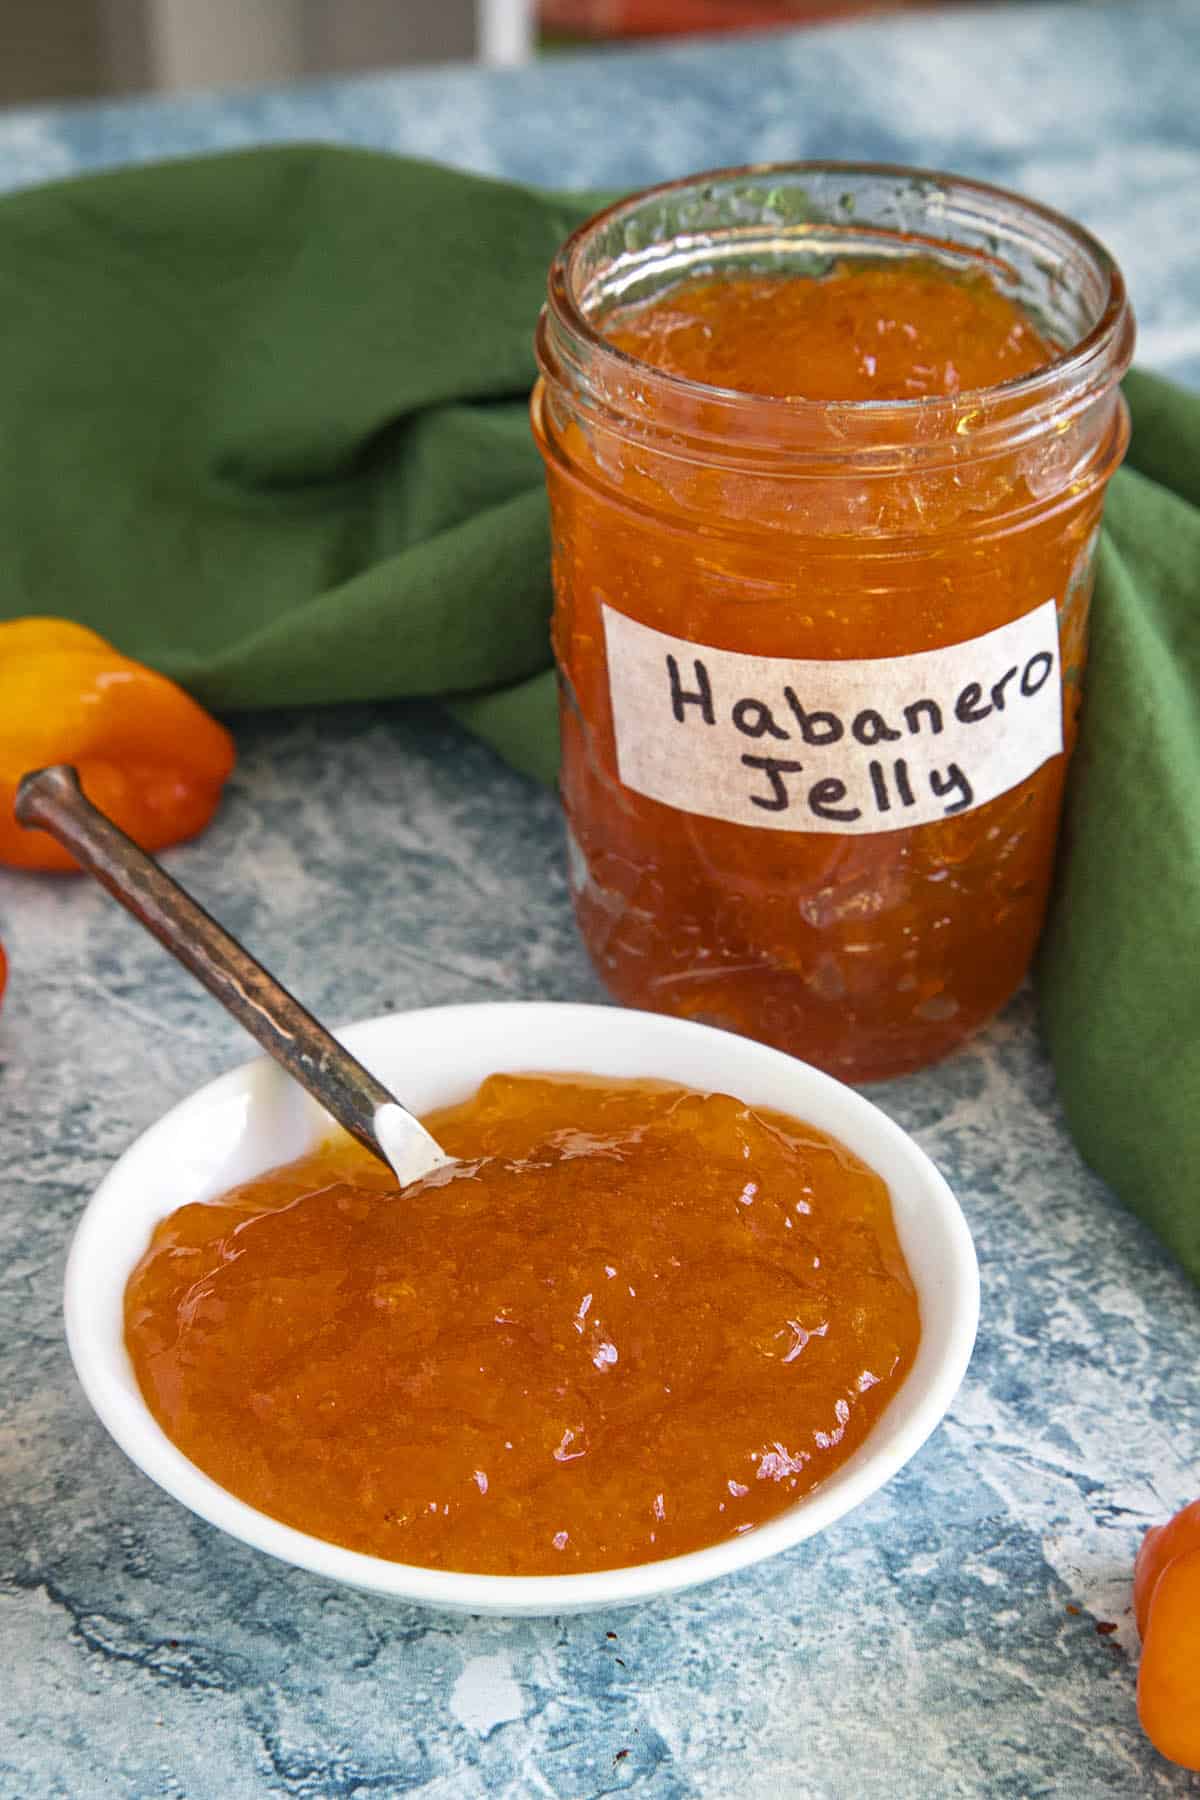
[{"x": 876, "y": 744}]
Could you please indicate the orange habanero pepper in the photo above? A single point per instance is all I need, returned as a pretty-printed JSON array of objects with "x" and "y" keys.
[
  {"x": 144, "y": 750},
  {"x": 1166, "y": 1598}
]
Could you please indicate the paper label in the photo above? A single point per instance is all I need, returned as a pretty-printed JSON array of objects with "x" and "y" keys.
[{"x": 857, "y": 746}]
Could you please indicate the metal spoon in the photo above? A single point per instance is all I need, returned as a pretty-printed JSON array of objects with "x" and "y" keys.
[{"x": 52, "y": 800}]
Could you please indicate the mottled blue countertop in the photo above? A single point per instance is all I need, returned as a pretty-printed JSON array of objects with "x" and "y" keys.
[{"x": 943, "y": 1639}]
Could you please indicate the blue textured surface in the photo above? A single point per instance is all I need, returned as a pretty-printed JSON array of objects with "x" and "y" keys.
[{"x": 924, "y": 1646}]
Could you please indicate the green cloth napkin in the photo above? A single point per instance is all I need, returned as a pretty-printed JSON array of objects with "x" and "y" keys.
[
  {"x": 264, "y": 421},
  {"x": 1118, "y": 971},
  {"x": 264, "y": 425}
]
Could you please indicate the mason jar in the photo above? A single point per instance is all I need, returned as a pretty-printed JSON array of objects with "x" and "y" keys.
[{"x": 821, "y": 661}]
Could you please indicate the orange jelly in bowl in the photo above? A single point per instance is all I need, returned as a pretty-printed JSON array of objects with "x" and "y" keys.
[
  {"x": 630, "y": 1322},
  {"x": 826, "y": 452}
]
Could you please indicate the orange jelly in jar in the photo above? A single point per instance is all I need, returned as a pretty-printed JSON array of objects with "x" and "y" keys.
[{"x": 826, "y": 449}]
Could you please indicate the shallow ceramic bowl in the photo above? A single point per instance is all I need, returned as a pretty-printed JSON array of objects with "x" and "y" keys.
[{"x": 254, "y": 1118}]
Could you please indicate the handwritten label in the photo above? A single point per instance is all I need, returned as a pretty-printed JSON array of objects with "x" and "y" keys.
[{"x": 872, "y": 745}]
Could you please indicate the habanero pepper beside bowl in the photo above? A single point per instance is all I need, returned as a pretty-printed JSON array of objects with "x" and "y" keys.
[
  {"x": 144, "y": 750},
  {"x": 826, "y": 449}
]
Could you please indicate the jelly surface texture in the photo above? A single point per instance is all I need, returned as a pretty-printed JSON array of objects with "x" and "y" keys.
[
  {"x": 899, "y": 331},
  {"x": 867, "y": 951},
  {"x": 631, "y": 1322}
]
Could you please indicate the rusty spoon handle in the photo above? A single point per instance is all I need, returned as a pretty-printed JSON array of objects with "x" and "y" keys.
[{"x": 52, "y": 800}]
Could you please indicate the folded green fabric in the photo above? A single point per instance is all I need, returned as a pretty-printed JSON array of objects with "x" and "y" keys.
[
  {"x": 265, "y": 421},
  {"x": 1118, "y": 971},
  {"x": 265, "y": 427}
]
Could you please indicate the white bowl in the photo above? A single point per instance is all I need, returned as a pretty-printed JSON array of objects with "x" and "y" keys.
[{"x": 254, "y": 1118}]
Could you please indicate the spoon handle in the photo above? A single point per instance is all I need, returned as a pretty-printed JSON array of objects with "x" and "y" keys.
[{"x": 53, "y": 800}]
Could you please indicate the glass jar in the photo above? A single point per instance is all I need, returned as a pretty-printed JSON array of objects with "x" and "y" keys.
[{"x": 821, "y": 662}]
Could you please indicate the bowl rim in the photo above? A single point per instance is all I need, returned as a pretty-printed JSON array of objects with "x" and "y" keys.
[{"x": 106, "y": 1376}]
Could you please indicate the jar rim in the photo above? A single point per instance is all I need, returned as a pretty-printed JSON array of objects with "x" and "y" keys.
[{"x": 1096, "y": 361}]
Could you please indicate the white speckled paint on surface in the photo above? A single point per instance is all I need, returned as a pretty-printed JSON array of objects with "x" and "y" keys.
[
  {"x": 486, "y": 1695},
  {"x": 923, "y": 1647}
]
